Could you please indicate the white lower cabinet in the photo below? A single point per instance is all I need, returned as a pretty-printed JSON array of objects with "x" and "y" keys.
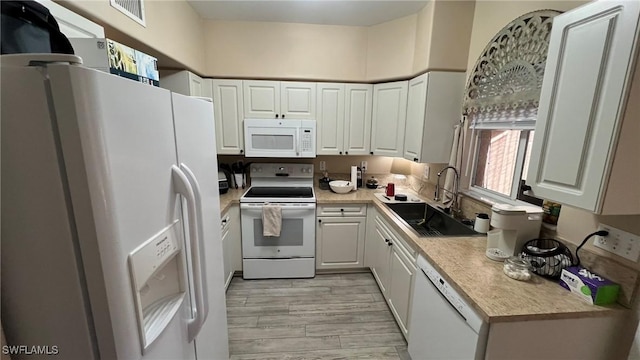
[
  {"x": 393, "y": 265},
  {"x": 401, "y": 271},
  {"x": 340, "y": 232},
  {"x": 231, "y": 246}
]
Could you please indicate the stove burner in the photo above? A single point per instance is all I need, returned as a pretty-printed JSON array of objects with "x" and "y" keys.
[{"x": 279, "y": 192}]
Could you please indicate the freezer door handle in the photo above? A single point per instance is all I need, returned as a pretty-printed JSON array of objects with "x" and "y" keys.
[
  {"x": 204, "y": 309},
  {"x": 183, "y": 186}
]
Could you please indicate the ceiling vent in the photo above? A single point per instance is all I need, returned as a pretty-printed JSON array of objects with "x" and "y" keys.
[{"x": 132, "y": 8}]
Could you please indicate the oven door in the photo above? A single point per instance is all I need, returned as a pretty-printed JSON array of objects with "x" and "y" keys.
[{"x": 297, "y": 237}]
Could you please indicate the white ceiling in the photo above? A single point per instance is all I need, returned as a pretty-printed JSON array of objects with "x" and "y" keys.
[{"x": 326, "y": 12}]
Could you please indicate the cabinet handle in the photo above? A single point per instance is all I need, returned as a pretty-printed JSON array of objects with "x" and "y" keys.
[
  {"x": 390, "y": 243},
  {"x": 241, "y": 151},
  {"x": 371, "y": 152},
  {"x": 346, "y": 153},
  {"x": 415, "y": 159},
  {"x": 283, "y": 116},
  {"x": 340, "y": 152},
  {"x": 320, "y": 221},
  {"x": 342, "y": 210},
  {"x": 277, "y": 115},
  {"x": 387, "y": 240}
]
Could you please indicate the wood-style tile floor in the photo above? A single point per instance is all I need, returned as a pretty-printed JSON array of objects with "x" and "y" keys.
[{"x": 342, "y": 316}]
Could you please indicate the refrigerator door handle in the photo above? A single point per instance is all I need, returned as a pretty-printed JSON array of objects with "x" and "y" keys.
[
  {"x": 183, "y": 187},
  {"x": 204, "y": 311}
]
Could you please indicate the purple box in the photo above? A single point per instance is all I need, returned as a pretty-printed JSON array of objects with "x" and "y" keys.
[{"x": 591, "y": 287}]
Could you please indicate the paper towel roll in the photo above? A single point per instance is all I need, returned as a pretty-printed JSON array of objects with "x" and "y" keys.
[{"x": 354, "y": 177}]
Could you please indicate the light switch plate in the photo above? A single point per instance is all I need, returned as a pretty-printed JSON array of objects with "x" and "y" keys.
[
  {"x": 323, "y": 165},
  {"x": 363, "y": 165},
  {"x": 619, "y": 242},
  {"x": 426, "y": 172}
]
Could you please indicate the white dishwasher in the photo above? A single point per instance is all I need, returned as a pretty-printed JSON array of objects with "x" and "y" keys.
[{"x": 443, "y": 325}]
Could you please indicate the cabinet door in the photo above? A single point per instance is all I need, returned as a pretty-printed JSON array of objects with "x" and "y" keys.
[
  {"x": 71, "y": 24},
  {"x": 298, "y": 100},
  {"x": 340, "y": 242},
  {"x": 226, "y": 253},
  {"x": 261, "y": 99},
  {"x": 330, "y": 121},
  {"x": 357, "y": 119},
  {"x": 228, "y": 113},
  {"x": 195, "y": 85},
  {"x": 585, "y": 81},
  {"x": 382, "y": 251},
  {"x": 401, "y": 272},
  {"x": 389, "y": 116},
  {"x": 443, "y": 112},
  {"x": 416, "y": 103},
  {"x": 371, "y": 240},
  {"x": 235, "y": 238}
]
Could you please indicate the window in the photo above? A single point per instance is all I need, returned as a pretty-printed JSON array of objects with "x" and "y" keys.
[
  {"x": 502, "y": 159},
  {"x": 501, "y": 105}
]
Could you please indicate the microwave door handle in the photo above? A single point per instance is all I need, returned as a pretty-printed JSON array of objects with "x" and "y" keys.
[{"x": 298, "y": 143}]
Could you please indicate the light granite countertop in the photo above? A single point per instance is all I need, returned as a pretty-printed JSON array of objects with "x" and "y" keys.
[{"x": 481, "y": 281}]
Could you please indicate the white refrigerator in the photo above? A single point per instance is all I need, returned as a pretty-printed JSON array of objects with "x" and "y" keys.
[{"x": 111, "y": 247}]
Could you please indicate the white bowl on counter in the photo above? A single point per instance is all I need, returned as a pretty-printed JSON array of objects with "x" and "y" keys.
[{"x": 341, "y": 186}]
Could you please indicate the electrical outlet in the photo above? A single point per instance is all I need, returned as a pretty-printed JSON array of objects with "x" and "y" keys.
[
  {"x": 426, "y": 172},
  {"x": 619, "y": 242},
  {"x": 323, "y": 165},
  {"x": 363, "y": 165}
]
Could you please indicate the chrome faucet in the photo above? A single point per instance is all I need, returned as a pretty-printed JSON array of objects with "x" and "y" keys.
[{"x": 456, "y": 181}]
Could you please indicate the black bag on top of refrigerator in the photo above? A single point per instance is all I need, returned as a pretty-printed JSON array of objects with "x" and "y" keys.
[{"x": 29, "y": 27}]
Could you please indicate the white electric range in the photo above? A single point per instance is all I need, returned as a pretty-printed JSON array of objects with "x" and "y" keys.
[{"x": 292, "y": 254}]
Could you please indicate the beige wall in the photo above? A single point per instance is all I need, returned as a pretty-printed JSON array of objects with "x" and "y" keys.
[
  {"x": 173, "y": 31},
  {"x": 424, "y": 29},
  {"x": 390, "y": 49},
  {"x": 311, "y": 52},
  {"x": 285, "y": 50},
  {"x": 437, "y": 37},
  {"x": 450, "y": 35}
]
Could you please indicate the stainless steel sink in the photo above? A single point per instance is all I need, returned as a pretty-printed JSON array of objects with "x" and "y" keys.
[{"x": 429, "y": 221}]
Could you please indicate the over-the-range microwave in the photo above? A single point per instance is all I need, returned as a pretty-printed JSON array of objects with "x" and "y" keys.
[{"x": 280, "y": 138}]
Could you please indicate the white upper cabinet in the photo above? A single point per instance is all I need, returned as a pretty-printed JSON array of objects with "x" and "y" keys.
[
  {"x": 585, "y": 150},
  {"x": 274, "y": 99},
  {"x": 434, "y": 107},
  {"x": 357, "y": 119},
  {"x": 389, "y": 117},
  {"x": 330, "y": 121},
  {"x": 183, "y": 82},
  {"x": 344, "y": 118},
  {"x": 298, "y": 100},
  {"x": 228, "y": 114},
  {"x": 71, "y": 24},
  {"x": 261, "y": 99}
]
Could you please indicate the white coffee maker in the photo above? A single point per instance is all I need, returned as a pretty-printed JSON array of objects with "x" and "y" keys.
[{"x": 512, "y": 227}]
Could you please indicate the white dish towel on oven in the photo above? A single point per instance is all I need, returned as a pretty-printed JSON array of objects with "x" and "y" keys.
[{"x": 271, "y": 220}]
